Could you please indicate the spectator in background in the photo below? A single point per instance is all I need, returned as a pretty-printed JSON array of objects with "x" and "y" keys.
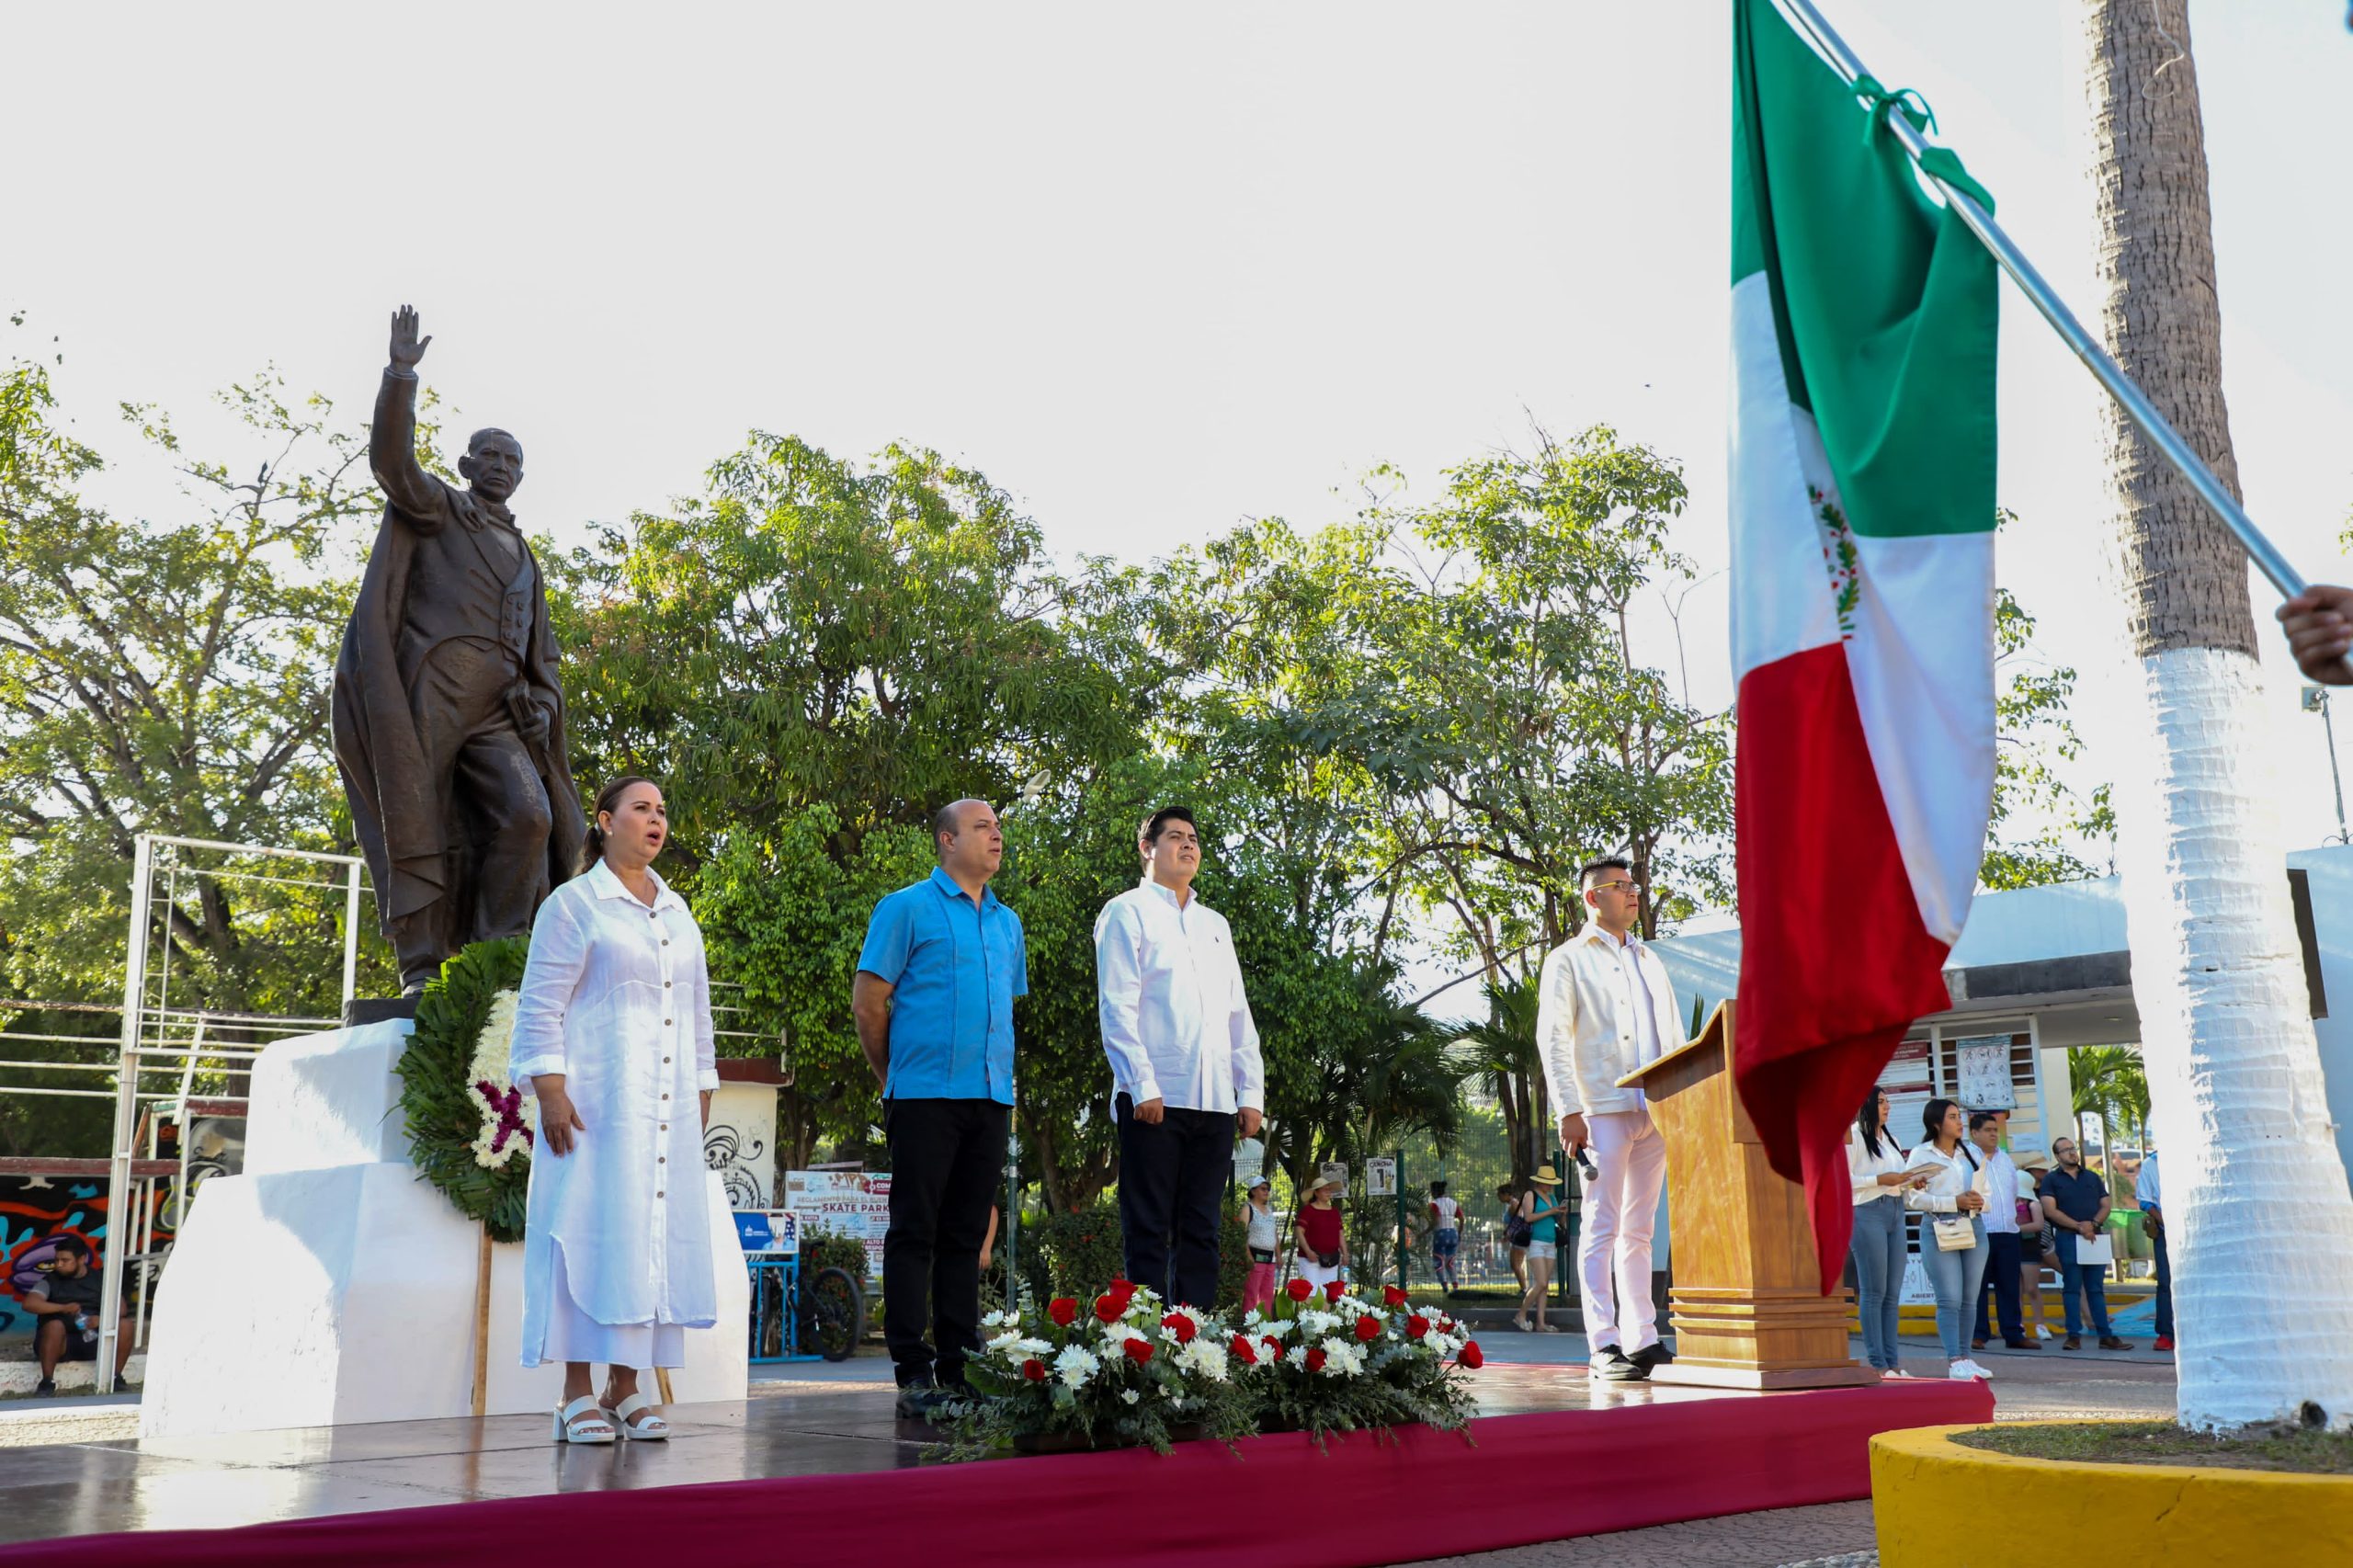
[
  {"x": 1516, "y": 1234},
  {"x": 1446, "y": 1236},
  {"x": 1542, "y": 1212},
  {"x": 1875, "y": 1165},
  {"x": 1950, "y": 1198},
  {"x": 1323, "y": 1241},
  {"x": 2146, "y": 1193},
  {"x": 1264, "y": 1240},
  {"x": 2037, "y": 1252},
  {"x": 2003, "y": 1247},
  {"x": 65, "y": 1305},
  {"x": 2075, "y": 1201}
]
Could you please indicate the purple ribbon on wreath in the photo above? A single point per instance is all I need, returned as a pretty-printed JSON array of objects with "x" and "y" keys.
[{"x": 509, "y": 1107}]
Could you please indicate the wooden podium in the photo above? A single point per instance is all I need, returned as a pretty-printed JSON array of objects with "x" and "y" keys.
[{"x": 1746, "y": 1306}]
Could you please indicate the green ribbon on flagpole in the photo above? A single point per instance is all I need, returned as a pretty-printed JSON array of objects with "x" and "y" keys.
[{"x": 1940, "y": 163}]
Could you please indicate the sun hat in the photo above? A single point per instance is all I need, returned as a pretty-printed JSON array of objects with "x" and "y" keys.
[
  {"x": 1262, "y": 1181},
  {"x": 1546, "y": 1176}
]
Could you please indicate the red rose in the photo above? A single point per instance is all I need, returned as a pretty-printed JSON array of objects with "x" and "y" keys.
[
  {"x": 1368, "y": 1327},
  {"x": 1243, "y": 1351},
  {"x": 1108, "y": 1307},
  {"x": 1392, "y": 1296},
  {"x": 1300, "y": 1290},
  {"x": 1315, "y": 1358},
  {"x": 1181, "y": 1326},
  {"x": 1417, "y": 1325},
  {"x": 1063, "y": 1310},
  {"x": 1333, "y": 1290},
  {"x": 1034, "y": 1370},
  {"x": 1274, "y": 1346},
  {"x": 1139, "y": 1351},
  {"x": 1123, "y": 1288},
  {"x": 1470, "y": 1356}
]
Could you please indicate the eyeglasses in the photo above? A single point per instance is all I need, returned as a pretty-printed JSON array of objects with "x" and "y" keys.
[{"x": 1628, "y": 886}]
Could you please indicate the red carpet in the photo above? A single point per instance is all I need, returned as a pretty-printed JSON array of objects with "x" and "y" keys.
[{"x": 1530, "y": 1478}]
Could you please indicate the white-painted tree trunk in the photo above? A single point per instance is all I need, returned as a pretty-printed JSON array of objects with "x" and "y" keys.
[{"x": 2259, "y": 1220}]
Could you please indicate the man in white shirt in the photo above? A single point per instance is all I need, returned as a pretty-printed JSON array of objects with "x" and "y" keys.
[
  {"x": 2002, "y": 1262},
  {"x": 2150, "y": 1194},
  {"x": 1605, "y": 1007},
  {"x": 1185, "y": 1063}
]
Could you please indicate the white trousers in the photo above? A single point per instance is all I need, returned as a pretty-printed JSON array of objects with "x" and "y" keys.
[{"x": 1620, "y": 1212}]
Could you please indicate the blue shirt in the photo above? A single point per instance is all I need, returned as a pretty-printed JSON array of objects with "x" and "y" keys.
[{"x": 956, "y": 968}]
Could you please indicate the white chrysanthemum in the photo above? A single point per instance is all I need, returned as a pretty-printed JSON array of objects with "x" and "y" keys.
[
  {"x": 1252, "y": 1318},
  {"x": 493, "y": 1049},
  {"x": 1129, "y": 1396},
  {"x": 1076, "y": 1365},
  {"x": 1205, "y": 1358},
  {"x": 1029, "y": 1344},
  {"x": 1009, "y": 1339},
  {"x": 1296, "y": 1354}
]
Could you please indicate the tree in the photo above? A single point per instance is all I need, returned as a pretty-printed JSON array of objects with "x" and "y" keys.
[
  {"x": 1500, "y": 1051},
  {"x": 171, "y": 677},
  {"x": 2038, "y": 817},
  {"x": 2253, "y": 1172}
]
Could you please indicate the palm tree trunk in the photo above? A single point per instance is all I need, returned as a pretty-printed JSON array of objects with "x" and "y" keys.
[{"x": 2261, "y": 1223}]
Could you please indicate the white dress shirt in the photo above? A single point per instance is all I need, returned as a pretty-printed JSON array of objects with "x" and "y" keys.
[
  {"x": 616, "y": 998},
  {"x": 1949, "y": 1175},
  {"x": 1864, "y": 1168},
  {"x": 2145, "y": 1191},
  {"x": 2001, "y": 1189},
  {"x": 1175, "y": 1024},
  {"x": 1604, "y": 1008}
]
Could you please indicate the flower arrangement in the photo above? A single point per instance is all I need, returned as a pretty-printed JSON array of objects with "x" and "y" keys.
[
  {"x": 1327, "y": 1361},
  {"x": 510, "y": 1121},
  {"x": 1123, "y": 1369},
  {"x": 470, "y": 1132}
]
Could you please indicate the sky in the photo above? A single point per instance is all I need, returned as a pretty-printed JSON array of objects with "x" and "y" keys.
[{"x": 1156, "y": 272}]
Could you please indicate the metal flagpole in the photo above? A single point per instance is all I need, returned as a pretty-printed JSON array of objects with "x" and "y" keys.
[{"x": 2135, "y": 404}]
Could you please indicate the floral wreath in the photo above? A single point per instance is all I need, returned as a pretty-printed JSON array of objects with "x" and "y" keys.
[{"x": 471, "y": 1132}]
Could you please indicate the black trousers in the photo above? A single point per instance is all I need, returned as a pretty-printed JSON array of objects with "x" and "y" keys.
[
  {"x": 1172, "y": 1178},
  {"x": 945, "y": 1159},
  {"x": 2002, "y": 1269}
]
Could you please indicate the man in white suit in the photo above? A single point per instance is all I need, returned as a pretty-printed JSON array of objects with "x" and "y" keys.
[{"x": 1605, "y": 1007}]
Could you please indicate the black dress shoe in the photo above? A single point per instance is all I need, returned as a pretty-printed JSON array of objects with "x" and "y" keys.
[
  {"x": 44, "y": 1387},
  {"x": 1650, "y": 1358},
  {"x": 2020, "y": 1344},
  {"x": 918, "y": 1398},
  {"x": 2109, "y": 1341},
  {"x": 1617, "y": 1366}
]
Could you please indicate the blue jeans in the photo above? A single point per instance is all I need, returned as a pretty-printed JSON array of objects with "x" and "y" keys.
[
  {"x": 2165, "y": 1285},
  {"x": 2092, "y": 1282},
  {"x": 1955, "y": 1276},
  {"x": 1878, "y": 1248}
]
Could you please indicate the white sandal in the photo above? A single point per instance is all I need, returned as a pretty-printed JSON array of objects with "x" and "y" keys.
[
  {"x": 584, "y": 1421},
  {"x": 651, "y": 1429}
]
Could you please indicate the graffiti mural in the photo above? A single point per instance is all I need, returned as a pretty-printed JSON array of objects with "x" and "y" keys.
[
  {"x": 740, "y": 1143},
  {"x": 35, "y": 1211}
]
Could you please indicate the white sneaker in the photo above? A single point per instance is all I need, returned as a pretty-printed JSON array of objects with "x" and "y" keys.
[{"x": 1965, "y": 1367}]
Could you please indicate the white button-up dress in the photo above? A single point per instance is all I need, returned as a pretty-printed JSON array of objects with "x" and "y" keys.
[{"x": 617, "y": 1256}]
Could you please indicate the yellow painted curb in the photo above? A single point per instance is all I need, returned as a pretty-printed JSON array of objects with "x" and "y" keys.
[{"x": 1933, "y": 1500}]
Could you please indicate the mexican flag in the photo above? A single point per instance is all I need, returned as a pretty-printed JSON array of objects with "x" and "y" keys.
[{"x": 1862, "y": 513}]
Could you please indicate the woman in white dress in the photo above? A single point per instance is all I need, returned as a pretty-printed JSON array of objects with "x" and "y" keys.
[{"x": 612, "y": 1035}]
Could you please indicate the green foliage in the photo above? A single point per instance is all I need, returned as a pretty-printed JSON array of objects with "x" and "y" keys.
[
  {"x": 439, "y": 1102},
  {"x": 1072, "y": 1253},
  {"x": 823, "y": 1249},
  {"x": 2039, "y": 819}
]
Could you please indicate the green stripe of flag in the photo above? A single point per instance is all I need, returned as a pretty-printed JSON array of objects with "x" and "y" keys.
[{"x": 1884, "y": 302}]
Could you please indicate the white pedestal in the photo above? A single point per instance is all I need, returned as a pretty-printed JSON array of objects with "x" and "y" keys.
[{"x": 329, "y": 1284}]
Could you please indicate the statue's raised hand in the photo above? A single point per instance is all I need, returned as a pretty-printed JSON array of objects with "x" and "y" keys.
[{"x": 407, "y": 347}]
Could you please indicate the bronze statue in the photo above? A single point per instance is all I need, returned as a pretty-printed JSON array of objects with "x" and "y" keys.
[{"x": 448, "y": 719}]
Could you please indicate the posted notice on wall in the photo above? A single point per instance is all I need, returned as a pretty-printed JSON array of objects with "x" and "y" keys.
[{"x": 1981, "y": 1066}]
